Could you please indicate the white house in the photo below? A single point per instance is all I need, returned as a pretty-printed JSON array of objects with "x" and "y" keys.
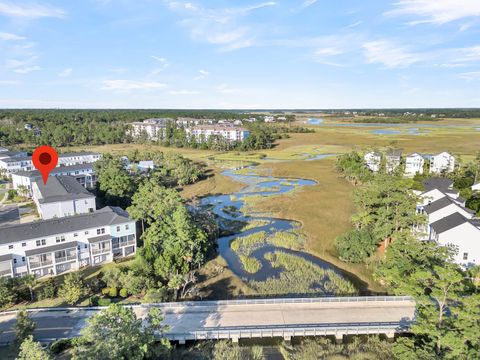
[
  {"x": 461, "y": 232},
  {"x": 393, "y": 160},
  {"x": 269, "y": 118},
  {"x": 56, "y": 246},
  {"x": 62, "y": 196},
  {"x": 373, "y": 161},
  {"x": 84, "y": 174},
  {"x": 476, "y": 187},
  {"x": 442, "y": 163},
  {"x": 414, "y": 164},
  {"x": 228, "y": 132},
  {"x": 445, "y": 207}
]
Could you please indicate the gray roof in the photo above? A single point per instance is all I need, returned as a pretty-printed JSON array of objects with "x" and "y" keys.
[
  {"x": 61, "y": 188},
  {"x": 15, "y": 159},
  {"x": 64, "y": 155},
  {"x": 444, "y": 202},
  {"x": 475, "y": 222},
  {"x": 35, "y": 230},
  {"x": 394, "y": 153},
  {"x": 449, "y": 222},
  {"x": 99, "y": 238},
  {"x": 441, "y": 184},
  {"x": 6, "y": 257},
  {"x": 437, "y": 205},
  {"x": 52, "y": 248},
  {"x": 58, "y": 170},
  {"x": 9, "y": 154}
]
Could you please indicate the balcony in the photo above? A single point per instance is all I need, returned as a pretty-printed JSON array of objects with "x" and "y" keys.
[
  {"x": 38, "y": 264},
  {"x": 63, "y": 259},
  {"x": 101, "y": 250},
  {"x": 6, "y": 272}
]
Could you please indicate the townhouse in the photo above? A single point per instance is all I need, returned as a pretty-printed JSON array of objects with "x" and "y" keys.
[
  {"x": 84, "y": 173},
  {"x": 227, "y": 131},
  {"x": 449, "y": 222},
  {"x": 15, "y": 164},
  {"x": 62, "y": 196},
  {"x": 56, "y": 246}
]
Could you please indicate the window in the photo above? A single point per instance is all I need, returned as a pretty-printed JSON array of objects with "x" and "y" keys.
[
  {"x": 10, "y": 246},
  {"x": 24, "y": 244},
  {"x": 86, "y": 232},
  {"x": 14, "y": 261},
  {"x": 101, "y": 231},
  {"x": 118, "y": 228},
  {"x": 75, "y": 234},
  {"x": 465, "y": 256},
  {"x": 23, "y": 258},
  {"x": 60, "y": 238},
  {"x": 126, "y": 227}
]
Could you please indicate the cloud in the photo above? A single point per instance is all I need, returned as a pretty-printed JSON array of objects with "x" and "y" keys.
[
  {"x": 65, "y": 73},
  {"x": 219, "y": 26},
  {"x": 29, "y": 10},
  {"x": 163, "y": 64},
  {"x": 470, "y": 76},
  {"x": 389, "y": 54},
  {"x": 183, "y": 92},
  {"x": 436, "y": 11},
  {"x": 128, "y": 85},
  {"x": 23, "y": 66},
  {"x": 203, "y": 75},
  {"x": 308, "y": 3},
  {"x": 225, "y": 89},
  {"x": 10, "y": 37}
]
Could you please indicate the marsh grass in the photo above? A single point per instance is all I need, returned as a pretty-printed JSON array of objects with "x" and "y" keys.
[
  {"x": 250, "y": 265},
  {"x": 247, "y": 244},
  {"x": 300, "y": 276}
]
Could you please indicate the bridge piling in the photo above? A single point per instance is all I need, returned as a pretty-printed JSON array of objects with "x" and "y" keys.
[{"x": 339, "y": 338}]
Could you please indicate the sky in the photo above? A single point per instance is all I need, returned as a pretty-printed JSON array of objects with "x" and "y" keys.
[{"x": 243, "y": 54}]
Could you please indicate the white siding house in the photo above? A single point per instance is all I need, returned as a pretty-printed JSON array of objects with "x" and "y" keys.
[
  {"x": 461, "y": 232},
  {"x": 373, "y": 161},
  {"x": 62, "y": 196},
  {"x": 414, "y": 164},
  {"x": 393, "y": 160},
  {"x": 442, "y": 163},
  {"x": 56, "y": 246}
]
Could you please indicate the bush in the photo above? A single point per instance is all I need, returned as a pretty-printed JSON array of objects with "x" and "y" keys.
[
  {"x": 11, "y": 194},
  {"x": 155, "y": 295},
  {"x": 123, "y": 293},
  {"x": 106, "y": 291},
  {"x": 49, "y": 289},
  {"x": 113, "y": 292},
  {"x": 104, "y": 302},
  {"x": 93, "y": 300},
  {"x": 60, "y": 345}
]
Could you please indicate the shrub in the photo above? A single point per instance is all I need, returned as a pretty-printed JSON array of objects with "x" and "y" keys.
[
  {"x": 12, "y": 194},
  {"x": 356, "y": 245},
  {"x": 93, "y": 300},
  {"x": 104, "y": 302},
  {"x": 49, "y": 289},
  {"x": 60, "y": 345},
  {"x": 106, "y": 291},
  {"x": 123, "y": 293},
  {"x": 156, "y": 295},
  {"x": 113, "y": 292}
]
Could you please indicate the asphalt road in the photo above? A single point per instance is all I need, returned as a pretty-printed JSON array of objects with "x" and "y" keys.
[
  {"x": 9, "y": 215},
  {"x": 184, "y": 319}
]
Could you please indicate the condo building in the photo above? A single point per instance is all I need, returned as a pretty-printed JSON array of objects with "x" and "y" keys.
[{"x": 228, "y": 132}]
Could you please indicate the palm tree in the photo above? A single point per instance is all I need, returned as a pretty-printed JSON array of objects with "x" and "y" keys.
[{"x": 30, "y": 281}]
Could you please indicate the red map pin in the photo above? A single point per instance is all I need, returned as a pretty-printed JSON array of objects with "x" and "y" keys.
[{"x": 45, "y": 159}]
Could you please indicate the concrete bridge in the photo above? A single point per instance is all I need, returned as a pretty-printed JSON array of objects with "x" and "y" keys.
[{"x": 240, "y": 319}]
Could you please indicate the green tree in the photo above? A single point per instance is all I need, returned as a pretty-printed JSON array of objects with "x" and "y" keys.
[
  {"x": 30, "y": 281},
  {"x": 7, "y": 291},
  {"x": 24, "y": 327},
  {"x": 356, "y": 246},
  {"x": 116, "y": 333},
  {"x": 72, "y": 288},
  {"x": 352, "y": 167},
  {"x": 32, "y": 350}
]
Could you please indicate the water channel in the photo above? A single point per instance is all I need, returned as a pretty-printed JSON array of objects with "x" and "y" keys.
[{"x": 229, "y": 208}]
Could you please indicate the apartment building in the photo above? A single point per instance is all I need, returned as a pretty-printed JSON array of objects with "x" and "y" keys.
[
  {"x": 84, "y": 173},
  {"x": 228, "y": 132},
  {"x": 13, "y": 165},
  {"x": 154, "y": 129},
  {"x": 56, "y": 246},
  {"x": 62, "y": 196}
]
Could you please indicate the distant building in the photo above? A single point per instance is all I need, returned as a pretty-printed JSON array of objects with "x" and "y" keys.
[
  {"x": 393, "y": 160},
  {"x": 228, "y": 132},
  {"x": 62, "y": 196},
  {"x": 373, "y": 161},
  {"x": 414, "y": 164},
  {"x": 442, "y": 163},
  {"x": 16, "y": 163},
  {"x": 269, "y": 119},
  {"x": 84, "y": 174},
  {"x": 153, "y": 129},
  {"x": 56, "y": 246}
]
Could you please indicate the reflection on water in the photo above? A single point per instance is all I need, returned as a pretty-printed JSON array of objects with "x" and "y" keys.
[{"x": 257, "y": 185}]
